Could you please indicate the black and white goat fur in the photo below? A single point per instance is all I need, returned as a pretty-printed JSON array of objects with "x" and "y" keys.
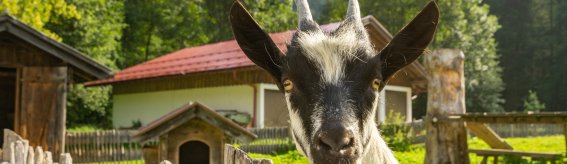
[{"x": 332, "y": 80}]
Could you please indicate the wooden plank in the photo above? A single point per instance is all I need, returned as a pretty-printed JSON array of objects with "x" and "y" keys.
[
  {"x": 9, "y": 137},
  {"x": 487, "y": 135},
  {"x": 65, "y": 159},
  {"x": 516, "y": 118},
  {"x": 43, "y": 106},
  {"x": 17, "y": 103},
  {"x": 39, "y": 155}
]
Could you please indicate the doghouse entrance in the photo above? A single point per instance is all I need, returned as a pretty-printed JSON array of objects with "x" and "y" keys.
[
  {"x": 194, "y": 152},
  {"x": 7, "y": 99}
]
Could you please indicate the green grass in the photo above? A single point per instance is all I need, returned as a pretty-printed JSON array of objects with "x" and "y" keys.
[
  {"x": 84, "y": 128},
  {"x": 123, "y": 162},
  {"x": 551, "y": 144},
  {"x": 283, "y": 157}
]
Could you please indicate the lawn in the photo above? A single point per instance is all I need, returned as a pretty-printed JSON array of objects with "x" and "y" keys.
[{"x": 552, "y": 144}]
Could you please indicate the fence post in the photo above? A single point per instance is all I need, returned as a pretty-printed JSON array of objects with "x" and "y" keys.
[{"x": 446, "y": 141}]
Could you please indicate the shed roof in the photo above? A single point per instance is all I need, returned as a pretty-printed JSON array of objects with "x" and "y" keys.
[
  {"x": 187, "y": 112},
  {"x": 228, "y": 55},
  {"x": 11, "y": 25}
]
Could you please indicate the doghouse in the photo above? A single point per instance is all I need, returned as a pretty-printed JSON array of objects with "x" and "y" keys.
[
  {"x": 192, "y": 133},
  {"x": 35, "y": 71}
]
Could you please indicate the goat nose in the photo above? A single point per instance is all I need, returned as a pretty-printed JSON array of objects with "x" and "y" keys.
[{"x": 335, "y": 137}]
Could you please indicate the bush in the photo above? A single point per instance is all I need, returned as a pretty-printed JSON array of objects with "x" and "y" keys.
[{"x": 396, "y": 133}]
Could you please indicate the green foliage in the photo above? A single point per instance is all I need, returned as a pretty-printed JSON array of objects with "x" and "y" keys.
[
  {"x": 157, "y": 27},
  {"x": 533, "y": 43},
  {"x": 396, "y": 133},
  {"x": 89, "y": 106},
  {"x": 471, "y": 28},
  {"x": 96, "y": 33},
  {"x": 136, "y": 124},
  {"x": 532, "y": 103},
  {"x": 84, "y": 128},
  {"x": 37, "y": 13}
]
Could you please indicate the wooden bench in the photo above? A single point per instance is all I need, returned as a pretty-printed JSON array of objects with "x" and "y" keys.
[{"x": 502, "y": 152}]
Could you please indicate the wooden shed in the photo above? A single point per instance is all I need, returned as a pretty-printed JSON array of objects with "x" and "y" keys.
[
  {"x": 192, "y": 133},
  {"x": 34, "y": 73}
]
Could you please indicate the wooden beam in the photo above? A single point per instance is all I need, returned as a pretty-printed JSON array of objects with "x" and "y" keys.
[
  {"x": 513, "y": 118},
  {"x": 488, "y": 135}
]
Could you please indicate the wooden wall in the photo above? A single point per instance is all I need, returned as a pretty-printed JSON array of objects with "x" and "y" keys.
[
  {"x": 41, "y": 118},
  {"x": 248, "y": 75},
  {"x": 40, "y": 93},
  {"x": 16, "y": 53}
]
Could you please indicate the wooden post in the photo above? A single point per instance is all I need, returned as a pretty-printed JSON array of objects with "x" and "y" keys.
[{"x": 446, "y": 141}]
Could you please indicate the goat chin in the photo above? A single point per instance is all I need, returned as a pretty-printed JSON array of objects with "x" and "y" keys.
[{"x": 378, "y": 151}]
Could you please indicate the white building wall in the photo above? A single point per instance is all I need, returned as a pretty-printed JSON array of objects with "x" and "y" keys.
[{"x": 149, "y": 106}]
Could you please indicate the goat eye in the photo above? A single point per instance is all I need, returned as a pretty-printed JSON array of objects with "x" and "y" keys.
[
  {"x": 288, "y": 85},
  {"x": 376, "y": 84}
]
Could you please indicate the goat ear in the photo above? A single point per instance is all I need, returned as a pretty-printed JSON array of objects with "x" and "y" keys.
[
  {"x": 254, "y": 41},
  {"x": 410, "y": 42}
]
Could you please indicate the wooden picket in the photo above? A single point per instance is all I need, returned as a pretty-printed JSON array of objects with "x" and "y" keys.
[
  {"x": 269, "y": 140},
  {"x": 233, "y": 155},
  {"x": 18, "y": 151},
  {"x": 104, "y": 146}
]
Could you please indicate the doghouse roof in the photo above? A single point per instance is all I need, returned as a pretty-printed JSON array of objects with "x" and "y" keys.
[
  {"x": 12, "y": 27},
  {"x": 187, "y": 112},
  {"x": 228, "y": 55}
]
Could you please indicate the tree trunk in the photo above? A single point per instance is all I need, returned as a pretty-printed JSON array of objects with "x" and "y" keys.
[{"x": 446, "y": 141}]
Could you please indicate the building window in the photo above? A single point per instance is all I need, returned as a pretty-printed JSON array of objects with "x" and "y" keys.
[{"x": 394, "y": 99}]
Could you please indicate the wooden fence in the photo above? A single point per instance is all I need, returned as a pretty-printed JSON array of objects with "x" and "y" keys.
[
  {"x": 526, "y": 130},
  {"x": 17, "y": 151},
  {"x": 236, "y": 156},
  {"x": 103, "y": 146},
  {"x": 269, "y": 140}
]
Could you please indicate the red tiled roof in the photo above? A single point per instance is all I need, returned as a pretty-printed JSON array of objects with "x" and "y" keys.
[{"x": 210, "y": 57}]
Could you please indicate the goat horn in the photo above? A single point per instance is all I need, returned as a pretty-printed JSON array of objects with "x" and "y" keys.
[
  {"x": 303, "y": 11},
  {"x": 353, "y": 10}
]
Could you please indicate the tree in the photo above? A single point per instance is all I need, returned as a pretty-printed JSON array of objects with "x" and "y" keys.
[
  {"x": 37, "y": 13},
  {"x": 533, "y": 44},
  {"x": 532, "y": 103},
  {"x": 157, "y": 27},
  {"x": 96, "y": 33}
]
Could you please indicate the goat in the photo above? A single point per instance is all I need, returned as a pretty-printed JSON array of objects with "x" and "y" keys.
[{"x": 331, "y": 80}]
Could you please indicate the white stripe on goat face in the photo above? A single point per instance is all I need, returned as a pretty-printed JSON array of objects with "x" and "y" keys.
[
  {"x": 297, "y": 129},
  {"x": 330, "y": 53}
]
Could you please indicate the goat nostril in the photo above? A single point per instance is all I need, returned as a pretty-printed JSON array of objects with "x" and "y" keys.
[{"x": 336, "y": 142}]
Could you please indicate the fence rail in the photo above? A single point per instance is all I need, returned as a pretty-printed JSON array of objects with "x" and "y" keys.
[
  {"x": 270, "y": 140},
  {"x": 101, "y": 146},
  {"x": 527, "y": 130}
]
